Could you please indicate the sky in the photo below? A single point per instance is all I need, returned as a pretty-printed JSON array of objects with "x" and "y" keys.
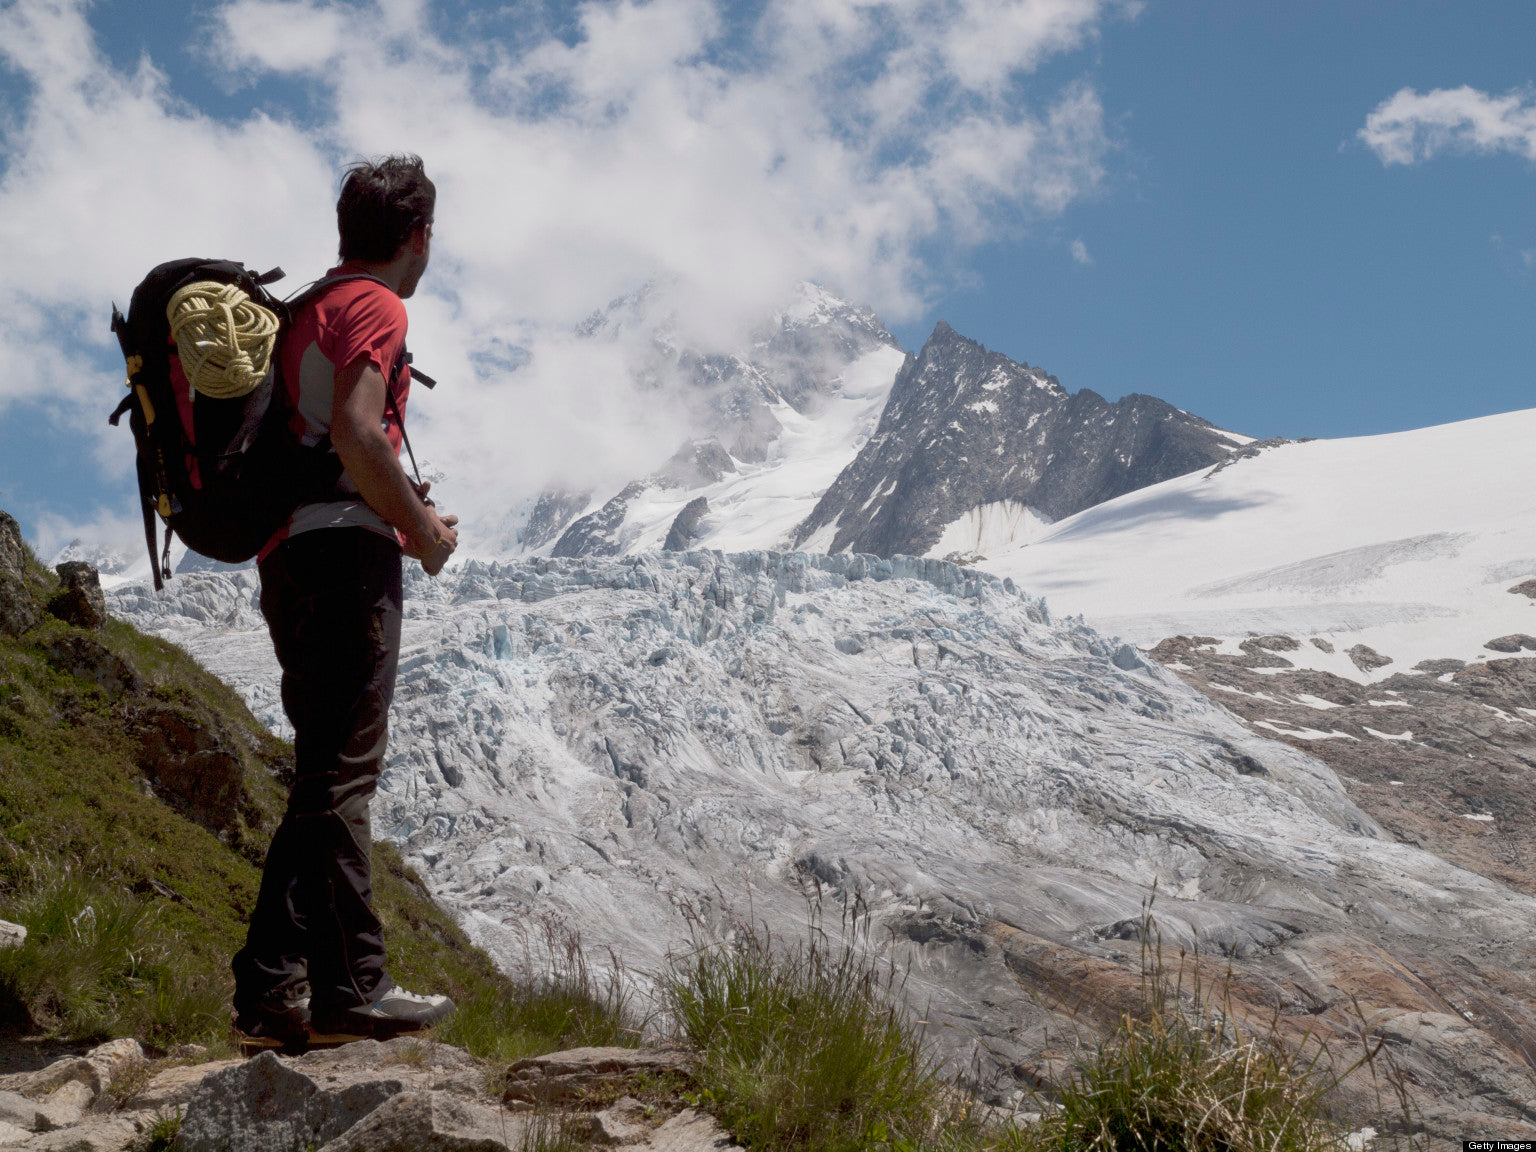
[{"x": 1309, "y": 219}]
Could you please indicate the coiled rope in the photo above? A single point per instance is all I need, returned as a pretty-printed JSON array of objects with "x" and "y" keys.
[{"x": 223, "y": 337}]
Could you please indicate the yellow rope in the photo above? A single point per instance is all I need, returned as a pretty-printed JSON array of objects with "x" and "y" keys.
[{"x": 224, "y": 339}]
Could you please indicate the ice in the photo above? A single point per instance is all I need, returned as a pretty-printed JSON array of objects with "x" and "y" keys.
[{"x": 610, "y": 741}]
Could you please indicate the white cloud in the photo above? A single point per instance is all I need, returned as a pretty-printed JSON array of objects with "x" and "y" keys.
[
  {"x": 1080, "y": 253},
  {"x": 665, "y": 142},
  {"x": 1413, "y": 126}
]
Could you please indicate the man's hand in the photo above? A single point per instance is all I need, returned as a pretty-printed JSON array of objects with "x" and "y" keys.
[{"x": 433, "y": 550}]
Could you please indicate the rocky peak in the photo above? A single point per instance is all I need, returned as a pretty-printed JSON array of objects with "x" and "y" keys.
[{"x": 966, "y": 429}]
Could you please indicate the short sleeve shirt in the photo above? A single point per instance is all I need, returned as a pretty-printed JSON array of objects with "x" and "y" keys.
[{"x": 356, "y": 320}]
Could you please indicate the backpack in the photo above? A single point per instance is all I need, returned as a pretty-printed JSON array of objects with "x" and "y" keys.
[{"x": 219, "y": 462}]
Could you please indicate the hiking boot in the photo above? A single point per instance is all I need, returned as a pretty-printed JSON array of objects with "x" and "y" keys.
[
  {"x": 392, "y": 1011},
  {"x": 277, "y": 1022}
]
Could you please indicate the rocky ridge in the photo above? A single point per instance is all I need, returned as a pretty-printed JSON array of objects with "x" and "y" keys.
[
  {"x": 965, "y": 428},
  {"x": 617, "y": 741}
]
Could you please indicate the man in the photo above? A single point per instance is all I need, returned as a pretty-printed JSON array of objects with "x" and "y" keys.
[{"x": 313, "y": 964}]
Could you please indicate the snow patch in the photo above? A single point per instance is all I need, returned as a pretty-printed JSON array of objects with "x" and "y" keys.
[{"x": 989, "y": 528}]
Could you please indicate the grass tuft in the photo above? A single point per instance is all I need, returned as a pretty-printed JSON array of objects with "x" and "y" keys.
[
  {"x": 806, "y": 1047},
  {"x": 1181, "y": 1075}
]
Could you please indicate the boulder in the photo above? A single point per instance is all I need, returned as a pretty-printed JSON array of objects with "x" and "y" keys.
[
  {"x": 36, "y": 1085},
  {"x": 426, "y": 1121},
  {"x": 18, "y": 611},
  {"x": 12, "y": 1135},
  {"x": 79, "y": 600},
  {"x": 269, "y": 1105},
  {"x": 192, "y": 759},
  {"x": 1367, "y": 659},
  {"x": 13, "y": 553},
  {"x": 1511, "y": 643},
  {"x": 63, "y": 1107},
  {"x": 12, "y": 935},
  {"x": 87, "y": 658}
]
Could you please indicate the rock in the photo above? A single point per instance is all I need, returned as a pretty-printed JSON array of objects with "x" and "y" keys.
[
  {"x": 1367, "y": 659},
  {"x": 622, "y": 1123},
  {"x": 1440, "y": 667},
  {"x": 12, "y": 935},
  {"x": 11, "y": 1134},
  {"x": 691, "y": 1131},
  {"x": 38, "y": 1084},
  {"x": 1525, "y": 588},
  {"x": 105, "y": 1134},
  {"x": 573, "y": 1075},
  {"x": 191, "y": 758},
  {"x": 686, "y": 525},
  {"x": 115, "y": 1053},
  {"x": 268, "y": 1104},
  {"x": 87, "y": 658},
  {"x": 174, "y": 1087},
  {"x": 64, "y": 1106},
  {"x": 13, "y": 553},
  {"x": 17, "y": 1109},
  {"x": 426, "y": 1121},
  {"x": 1321, "y": 645},
  {"x": 18, "y": 611},
  {"x": 1511, "y": 643},
  {"x": 192, "y": 1052},
  {"x": 79, "y": 601},
  {"x": 260, "y": 1105}
]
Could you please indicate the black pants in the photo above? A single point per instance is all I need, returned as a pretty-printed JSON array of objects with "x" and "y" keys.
[{"x": 332, "y": 602}]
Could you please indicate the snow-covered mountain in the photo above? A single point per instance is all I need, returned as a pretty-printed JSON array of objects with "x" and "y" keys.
[
  {"x": 1414, "y": 545},
  {"x": 615, "y": 740},
  {"x": 975, "y": 451},
  {"x": 775, "y": 424},
  {"x": 824, "y": 436}
]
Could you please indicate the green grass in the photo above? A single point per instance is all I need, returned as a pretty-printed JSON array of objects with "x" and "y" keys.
[
  {"x": 807, "y": 1047},
  {"x": 133, "y": 910}
]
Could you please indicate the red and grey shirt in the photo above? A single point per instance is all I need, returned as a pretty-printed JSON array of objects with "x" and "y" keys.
[{"x": 356, "y": 320}]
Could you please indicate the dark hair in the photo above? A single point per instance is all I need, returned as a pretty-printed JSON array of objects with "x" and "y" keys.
[{"x": 381, "y": 203}]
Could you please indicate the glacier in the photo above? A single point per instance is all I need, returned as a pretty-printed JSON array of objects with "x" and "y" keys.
[{"x": 628, "y": 745}]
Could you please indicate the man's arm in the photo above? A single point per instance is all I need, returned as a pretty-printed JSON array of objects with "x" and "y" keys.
[{"x": 357, "y": 432}]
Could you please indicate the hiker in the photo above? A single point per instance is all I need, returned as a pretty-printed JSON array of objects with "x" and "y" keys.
[{"x": 312, "y": 969}]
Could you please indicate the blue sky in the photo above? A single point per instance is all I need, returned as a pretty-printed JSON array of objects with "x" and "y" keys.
[{"x": 1170, "y": 197}]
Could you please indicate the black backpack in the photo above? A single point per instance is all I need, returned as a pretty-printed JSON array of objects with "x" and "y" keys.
[{"x": 224, "y": 474}]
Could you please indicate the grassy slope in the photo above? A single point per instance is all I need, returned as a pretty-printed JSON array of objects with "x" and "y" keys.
[{"x": 134, "y": 909}]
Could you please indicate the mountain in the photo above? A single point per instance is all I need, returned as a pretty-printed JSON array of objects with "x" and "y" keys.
[
  {"x": 1415, "y": 545},
  {"x": 630, "y": 744},
  {"x": 825, "y": 436},
  {"x": 774, "y": 424},
  {"x": 971, "y": 442}
]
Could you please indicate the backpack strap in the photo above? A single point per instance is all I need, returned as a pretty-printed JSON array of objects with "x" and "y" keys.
[{"x": 324, "y": 284}]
